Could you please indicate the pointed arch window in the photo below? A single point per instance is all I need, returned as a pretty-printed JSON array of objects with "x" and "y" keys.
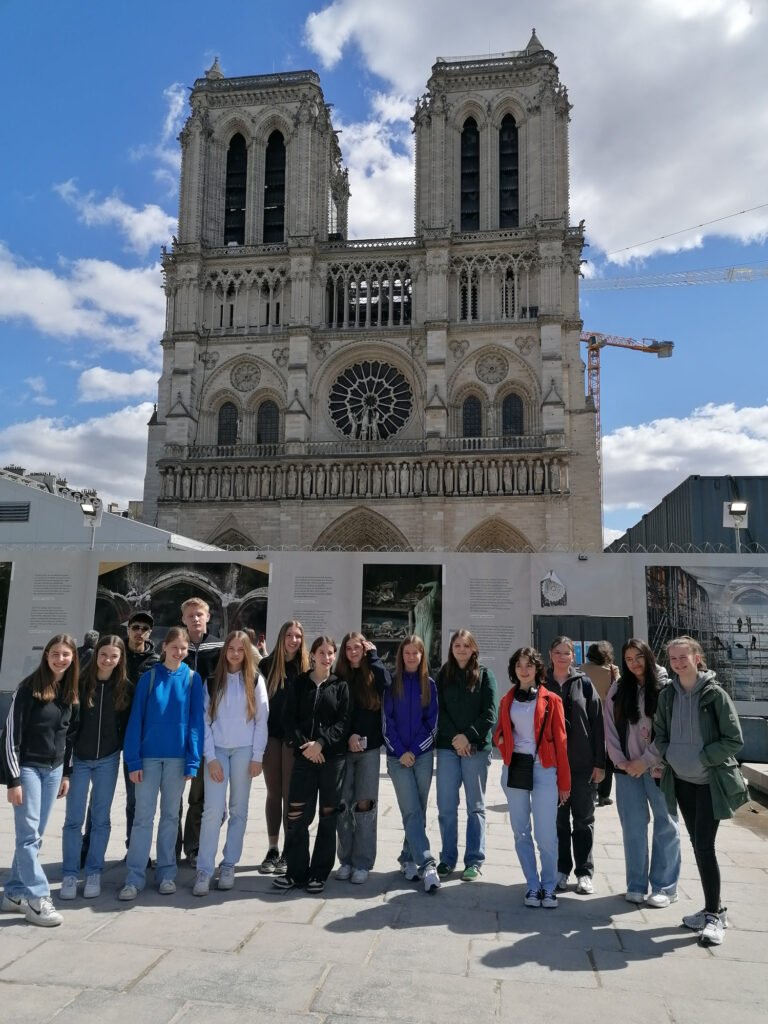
[
  {"x": 470, "y": 176},
  {"x": 512, "y": 416},
  {"x": 471, "y": 417},
  {"x": 227, "y": 433},
  {"x": 268, "y": 423},
  {"x": 509, "y": 196},
  {"x": 274, "y": 189},
  {"x": 234, "y": 196}
]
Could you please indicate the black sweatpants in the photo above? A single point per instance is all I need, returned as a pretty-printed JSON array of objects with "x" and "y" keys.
[
  {"x": 581, "y": 806},
  {"x": 695, "y": 803}
]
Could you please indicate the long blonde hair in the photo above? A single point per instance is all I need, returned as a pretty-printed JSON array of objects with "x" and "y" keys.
[
  {"x": 41, "y": 681},
  {"x": 218, "y": 684},
  {"x": 276, "y": 677},
  {"x": 397, "y": 682}
]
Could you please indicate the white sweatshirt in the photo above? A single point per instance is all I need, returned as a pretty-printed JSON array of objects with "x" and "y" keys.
[{"x": 230, "y": 728}]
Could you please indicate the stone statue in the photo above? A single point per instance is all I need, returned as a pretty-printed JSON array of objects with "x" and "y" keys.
[
  {"x": 508, "y": 477},
  {"x": 390, "y": 477},
  {"x": 200, "y": 485},
  {"x": 405, "y": 479},
  {"x": 186, "y": 485},
  {"x": 554, "y": 477},
  {"x": 493, "y": 477},
  {"x": 292, "y": 481},
  {"x": 538, "y": 477},
  {"x": 335, "y": 480},
  {"x": 306, "y": 482},
  {"x": 349, "y": 481},
  {"x": 362, "y": 480},
  {"x": 320, "y": 481},
  {"x": 463, "y": 478},
  {"x": 522, "y": 478},
  {"x": 433, "y": 476},
  {"x": 376, "y": 480},
  {"x": 213, "y": 483},
  {"x": 239, "y": 483},
  {"x": 253, "y": 483},
  {"x": 264, "y": 486},
  {"x": 418, "y": 479},
  {"x": 448, "y": 478},
  {"x": 277, "y": 482},
  {"x": 226, "y": 483},
  {"x": 477, "y": 477}
]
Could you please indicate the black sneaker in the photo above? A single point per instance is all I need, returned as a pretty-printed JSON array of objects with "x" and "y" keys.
[
  {"x": 270, "y": 862},
  {"x": 283, "y": 882},
  {"x": 315, "y": 885},
  {"x": 282, "y": 865}
]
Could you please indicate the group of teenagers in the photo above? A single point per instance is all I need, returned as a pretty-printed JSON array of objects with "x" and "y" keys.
[{"x": 314, "y": 722}]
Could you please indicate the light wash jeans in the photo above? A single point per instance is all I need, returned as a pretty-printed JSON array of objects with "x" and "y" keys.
[
  {"x": 163, "y": 775},
  {"x": 411, "y": 786},
  {"x": 235, "y": 762},
  {"x": 39, "y": 787},
  {"x": 541, "y": 803},
  {"x": 453, "y": 772},
  {"x": 633, "y": 799},
  {"x": 101, "y": 775},
  {"x": 356, "y": 830}
]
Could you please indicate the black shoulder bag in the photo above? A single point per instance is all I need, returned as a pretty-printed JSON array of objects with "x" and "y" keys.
[{"x": 520, "y": 771}]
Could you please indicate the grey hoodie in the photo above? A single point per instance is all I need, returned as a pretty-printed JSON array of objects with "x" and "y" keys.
[{"x": 685, "y": 740}]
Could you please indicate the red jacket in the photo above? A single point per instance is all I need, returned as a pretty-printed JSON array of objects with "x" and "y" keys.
[{"x": 553, "y": 750}]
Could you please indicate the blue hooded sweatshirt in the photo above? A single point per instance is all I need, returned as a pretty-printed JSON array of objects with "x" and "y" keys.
[{"x": 166, "y": 718}]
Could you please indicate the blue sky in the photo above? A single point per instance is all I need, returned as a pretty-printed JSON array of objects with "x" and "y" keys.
[{"x": 89, "y": 185}]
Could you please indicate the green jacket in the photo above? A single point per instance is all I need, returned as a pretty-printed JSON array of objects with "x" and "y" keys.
[
  {"x": 472, "y": 712},
  {"x": 722, "y": 740}
]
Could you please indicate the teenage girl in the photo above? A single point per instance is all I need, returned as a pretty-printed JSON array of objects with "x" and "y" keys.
[
  {"x": 37, "y": 760},
  {"x": 698, "y": 734},
  {"x": 367, "y": 679},
  {"x": 316, "y": 721},
  {"x": 105, "y": 703},
  {"x": 235, "y": 710},
  {"x": 163, "y": 747},
  {"x": 629, "y": 712},
  {"x": 410, "y": 718},
  {"x": 469, "y": 709},
  {"x": 288, "y": 660},
  {"x": 531, "y": 723}
]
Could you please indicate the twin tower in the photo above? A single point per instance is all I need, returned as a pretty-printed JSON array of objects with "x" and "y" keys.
[{"x": 417, "y": 393}]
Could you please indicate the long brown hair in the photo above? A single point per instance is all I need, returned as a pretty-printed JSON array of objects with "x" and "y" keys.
[
  {"x": 276, "y": 677},
  {"x": 218, "y": 684},
  {"x": 121, "y": 693},
  {"x": 451, "y": 669},
  {"x": 362, "y": 687},
  {"x": 397, "y": 682},
  {"x": 41, "y": 681}
]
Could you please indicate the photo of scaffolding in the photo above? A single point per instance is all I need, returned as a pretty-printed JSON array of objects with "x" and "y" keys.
[
  {"x": 400, "y": 600},
  {"x": 725, "y": 609}
]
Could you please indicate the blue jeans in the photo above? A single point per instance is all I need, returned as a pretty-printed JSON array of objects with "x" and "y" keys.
[
  {"x": 39, "y": 787},
  {"x": 235, "y": 762},
  {"x": 634, "y": 797},
  {"x": 163, "y": 775},
  {"x": 356, "y": 829},
  {"x": 541, "y": 802},
  {"x": 453, "y": 772},
  {"x": 102, "y": 776},
  {"x": 411, "y": 786}
]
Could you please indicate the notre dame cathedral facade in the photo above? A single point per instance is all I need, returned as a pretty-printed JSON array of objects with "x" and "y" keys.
[{"x": 393, "y": 393}]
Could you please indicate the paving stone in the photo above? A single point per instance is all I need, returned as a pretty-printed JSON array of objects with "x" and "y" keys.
[
  {"x": 118, "y": 1008},
  {"x": 533, "y": 958},
  {"x": 176, "y": 928},
  {"x": 281, "y": 941},
  {"x": 34, "y": 1004},
  {"x": 83, "y": 964}
]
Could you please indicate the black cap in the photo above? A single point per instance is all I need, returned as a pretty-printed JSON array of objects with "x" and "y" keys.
[{"x": 141, "y": 617}]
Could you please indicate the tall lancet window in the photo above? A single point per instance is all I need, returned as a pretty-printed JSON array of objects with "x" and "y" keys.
[
  {"x": 470, "y": 176},
  {"x": 509, "y": 195},
  {"x": 274, "y": 189},
  {"x": 234, "y": 196}
]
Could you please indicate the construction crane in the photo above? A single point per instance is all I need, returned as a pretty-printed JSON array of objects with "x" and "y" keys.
[
  {"x": 714, "y": 275},
  {"x": 595, "y": 342}
]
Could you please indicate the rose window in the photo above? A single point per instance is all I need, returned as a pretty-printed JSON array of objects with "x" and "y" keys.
[{"x": 370, "y": 401}]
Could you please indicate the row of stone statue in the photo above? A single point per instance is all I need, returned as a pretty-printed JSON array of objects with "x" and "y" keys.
[{"x": 452, "y": 478}]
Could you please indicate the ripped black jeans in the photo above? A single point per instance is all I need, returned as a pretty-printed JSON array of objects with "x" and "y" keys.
[{"x": 313, "y": 787}]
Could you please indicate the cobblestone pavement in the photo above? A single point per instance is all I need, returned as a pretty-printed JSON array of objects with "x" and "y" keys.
[{"x": 387, "y": 951}]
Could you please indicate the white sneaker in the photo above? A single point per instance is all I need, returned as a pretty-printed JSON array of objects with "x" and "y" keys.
[
  {"x": 92, "y": 887},
  {"x": 13, "y": 904},
  {"x": 44, "y": 913},
  {"x": 359, "y": 875},
  {"x": 167, "y": 887},
  {"x": 697, "y": 921},
  {"x": 68, "y": 889},
  {"x": 343, "y": 873},
  {"x": 584, "y": 885},
  {"x": 661, "y": 899},
  {"x": 712, "y": 933},
  {"x": 635, "y": 897},
  {"x": 226, "y": 877},
  {"x": 128, "y": 892},
  {"x": 410, "y": 871},
  {"x": 562, "y": 882},
  {"x": 202, "y": 884},
  {"x": 431, "y": 879}
]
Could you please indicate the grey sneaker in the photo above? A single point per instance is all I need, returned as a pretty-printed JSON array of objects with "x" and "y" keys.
[
  {"x": 13, "y": 904},
  {"x": 68, "y": 889},
  {"x": 712, "y": 933},
  {"x": 43, "y": 912},
  {"x": 410, "y": 871},
  {"x": 202, "y": 884},
  {"x": 697, "y": 921},
  {"x": 635, "y": 897},
  {"x": 431, "y": 879},
  {"x": 562, "y": 882},
  {"x": 226, "y": 877},
  {"x": 128, "y": 892},
  {"x": 549, "y": 900},
  {"x": 343, "y": 873},
  {"x": 532, "y": 898},
  {"x": 167, "y": 887},
  {"x": 359, "y": 876},
  {"x": 268, "y": 865},
  {"x": 92, "y": 887}
]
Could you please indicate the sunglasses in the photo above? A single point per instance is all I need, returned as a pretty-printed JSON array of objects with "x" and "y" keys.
[{"x": 137, "y": 627}]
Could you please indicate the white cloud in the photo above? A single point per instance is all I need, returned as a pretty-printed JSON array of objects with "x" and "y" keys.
[
  {"x": 669, "y": 127},
  {"x": 144, "y": 229},
  {"x": 101, "y": 385},
  {"x": 381, "y": 180},
  {"x": 106, "y": 452},
  {"x": 115, "y": 307},
  {"x": 643, "y": 463},
  {"x": 38, "y": 388},
  {"x": 166, "y": 150}
]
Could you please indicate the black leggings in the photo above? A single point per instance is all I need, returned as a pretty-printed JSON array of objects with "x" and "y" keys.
[{"x": 695, "y": 803}]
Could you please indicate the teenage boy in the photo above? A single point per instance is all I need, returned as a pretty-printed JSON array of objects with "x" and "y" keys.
[
  {"x": 203, "y": 655},
  {"x": 140, "y": 656}
]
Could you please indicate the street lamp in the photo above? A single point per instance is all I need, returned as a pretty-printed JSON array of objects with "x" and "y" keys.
[
  {"x": 736, "y": 514},
  {"x": 92, "y": 510}
]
